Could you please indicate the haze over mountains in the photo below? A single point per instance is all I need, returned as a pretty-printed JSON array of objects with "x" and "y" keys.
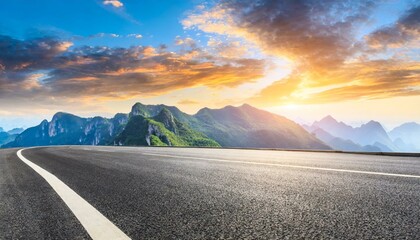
[
  {"x": 407, "y": 136},
  {"x": 9, "y": 136},
  {"x": 371, "y": 137},
  {"x": 244, "y": 126}
]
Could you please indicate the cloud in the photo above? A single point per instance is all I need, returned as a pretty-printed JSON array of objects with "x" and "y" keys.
[
  {"x": 114, "y": 35},
  {"x": 45, "y": 69},
  {"x": 362, "y": 80},
  {"x": 377, "y": 79},
  {"x": 329, "y": 62},
  {"x": 231, "y": 49},
  {"x": 114, "y": 3},
  {"x": 309, "y": 32},
  {"x": 119, "y": 9},
  {"x": 320, "y": 37},
  {"x": 405, "y": 31},
  {"x": 188, "y": 42},
  {"x": 34, "y": 53},
  {"x": 188, "y": 102},
  {"x": 135, "y": 35}
]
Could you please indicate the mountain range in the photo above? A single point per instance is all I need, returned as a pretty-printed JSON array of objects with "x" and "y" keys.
[
  {"x": 9, "y": 136},
  {"x": 161, "y": 125},
  {"x": 244, "y": 126},
  {"x": 407, "y": 137},
  {"x": 369, "y": 137}
]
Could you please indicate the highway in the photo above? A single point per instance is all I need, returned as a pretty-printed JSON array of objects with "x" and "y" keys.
[{"x": 81, "y": 192}]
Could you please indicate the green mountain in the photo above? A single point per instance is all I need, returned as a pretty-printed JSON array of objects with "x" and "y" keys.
[
  {"x": 68, "y": 129},
  {"x": 247, "y": 126},
  {"x": 153, "y": 110},
  {"x": 243, "y": 126},
  {"x": 161, "y": 125},
  {"x": 161, "y": 130}
]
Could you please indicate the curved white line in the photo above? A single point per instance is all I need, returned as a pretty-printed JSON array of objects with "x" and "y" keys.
[{"x": 96, "y": 224}]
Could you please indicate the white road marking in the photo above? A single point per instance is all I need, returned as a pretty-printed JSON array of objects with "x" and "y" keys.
[
  {"x": 96, "y": 224},
  {"x": 287, "y": 165}
]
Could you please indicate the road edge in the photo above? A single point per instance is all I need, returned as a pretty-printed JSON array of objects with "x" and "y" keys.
[{"x": 95, "y": 223}]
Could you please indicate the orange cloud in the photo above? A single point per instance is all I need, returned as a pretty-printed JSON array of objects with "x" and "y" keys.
[
  {"x": 114, "y": 3},
  {"x": 114, "y": 73},
  {"x": 187, "y": 102},
  {"x": 360, "y": 80},
  {"x": 320, "y": 38}
]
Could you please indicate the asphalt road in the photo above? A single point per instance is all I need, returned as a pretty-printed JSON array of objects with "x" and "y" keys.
[{"x": 167, "y": 193}]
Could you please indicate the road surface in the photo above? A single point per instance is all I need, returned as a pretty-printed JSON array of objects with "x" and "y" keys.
[{"x": 181, "y": 193}]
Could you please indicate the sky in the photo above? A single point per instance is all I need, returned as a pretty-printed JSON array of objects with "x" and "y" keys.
[{"x": 303, "y": 59}]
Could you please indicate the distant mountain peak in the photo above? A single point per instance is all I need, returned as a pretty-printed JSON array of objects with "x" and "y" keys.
[
  {"x": 226, "y": 107},
  {"x": 202, "y": 111},
  {"x": 411, "y": 124},
  {"x": 138, "y": 104},
  {"x": 373, "y": 124},
  {"x": 120, "y": 115},
  {"x": 16, "y": 131},
  {"x": 59, "y": 115},
  {"x": 367, "y": 134},
  {"x": 246, "y": 105},
  {"x": 138, "y": 109},
  {"x": 409, "y": 133},
  {"x": 328, "y": 119}
]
